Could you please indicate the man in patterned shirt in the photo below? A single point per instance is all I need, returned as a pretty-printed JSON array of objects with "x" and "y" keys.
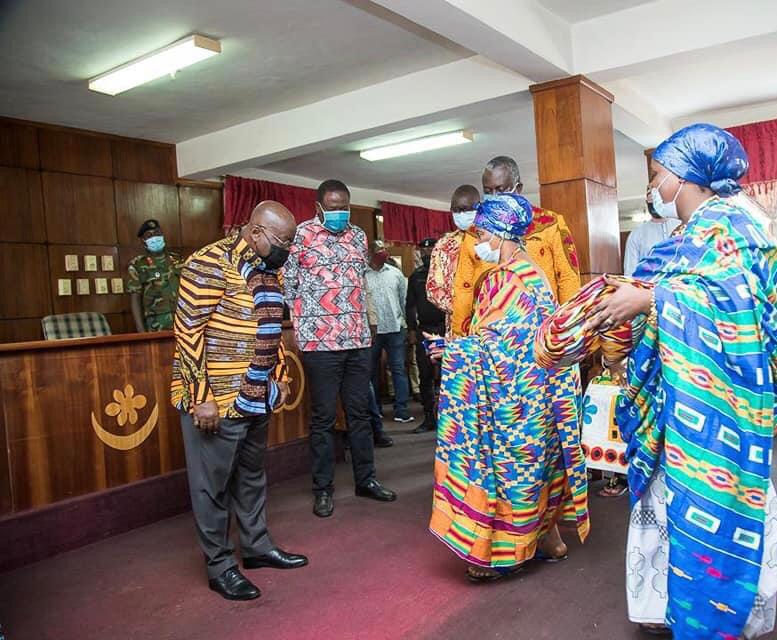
[
  {"x": 228, "y": 375},
  {"x": 325, "y": 287},
  {"x": 445, "y": 256}
]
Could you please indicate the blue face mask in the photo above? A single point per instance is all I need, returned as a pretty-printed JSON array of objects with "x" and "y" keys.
[
  {"x": 336, "y": 221},
  {"x": 155, "y": 244}
]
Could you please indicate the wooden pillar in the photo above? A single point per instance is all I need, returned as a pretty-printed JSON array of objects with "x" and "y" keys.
[{"x": 576, "y": 159}]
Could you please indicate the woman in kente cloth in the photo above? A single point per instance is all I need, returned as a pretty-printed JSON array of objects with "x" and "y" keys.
[
  {"x": 698, "y": 411},
  {"x": 508, "y": 465}
]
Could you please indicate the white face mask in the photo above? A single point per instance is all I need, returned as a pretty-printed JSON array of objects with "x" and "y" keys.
[
  {"x": 464, "y": 219},
  {"x": 665, "y": 209},
  {"x": 486, "y": 253}
]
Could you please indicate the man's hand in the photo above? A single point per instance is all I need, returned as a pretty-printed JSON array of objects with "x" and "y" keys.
[
  {"x": 435, "y": 352},
  {"x": 373, "y": 330},
  {"x": 411, "y": 338},
  {"x": 284, "y": 391},
  {"x": 206, "y": 416}
]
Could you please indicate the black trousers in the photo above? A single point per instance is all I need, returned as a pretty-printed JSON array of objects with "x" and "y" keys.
[
  {"x": 347, "y": 374},
  {"x": 226, "y": 474},
  {"x": 428, "y": 372}
]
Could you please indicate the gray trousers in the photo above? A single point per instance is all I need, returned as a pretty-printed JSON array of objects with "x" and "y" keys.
[{"x": 226, "y": 474}]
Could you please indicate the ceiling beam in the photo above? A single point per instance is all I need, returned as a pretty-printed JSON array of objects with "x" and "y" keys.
[
  {"x": 631, "y": 42},
  {"x": 405, "y": 101},
  {"x": 636, "y": 117},
  {"x": 520, "y": 34}
]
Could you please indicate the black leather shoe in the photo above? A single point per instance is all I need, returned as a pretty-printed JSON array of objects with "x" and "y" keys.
[
  {"x": 276, "y": 559},
  {"x": 233, "y": 585},
  {"x": 429, "y": 424},
  {"x": 375, "y": 490},
  {"x": 383, "y": 441},
  {"x": 323, "y": 507}
]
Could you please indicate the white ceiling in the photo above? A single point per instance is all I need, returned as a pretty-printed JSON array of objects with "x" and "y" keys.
[
  {"x": 734, "y": 74},
  {"x": 503, "y": 127},
  {"x": 579, "y": 10},
  {"x": 276, "y": 55}
]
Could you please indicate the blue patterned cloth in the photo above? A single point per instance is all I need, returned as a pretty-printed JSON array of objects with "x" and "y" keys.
[
  {"x": 700, "y": 405},
  {"x": 705, "y": 155},
  {"x": 506, "y": 215}
]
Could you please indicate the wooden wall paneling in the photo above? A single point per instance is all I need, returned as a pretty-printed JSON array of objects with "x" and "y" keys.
[
  {"x": 293, "y": 421},
  {"x": 72, "y": 151},
  {"x": 129, "y": 370},
  {"x": 142, "y": 161},
  {"x": 6, "y": 500},
  {"x": 118, "y": 323},
  {"x": 24, "y": 281},
  {"x": 202, "y": 216},
  {"x": 102, "y": 303},
  {"x": 171, "y": 452},
  {"x": 21, "y": 206},
  {"x": 18, "y": 145},
  {"x": 136, "y": 202},
  {"x": 624, "y": 238},
  {"x": 364, "y": 217},
  {"x": 21, "y": 330},
  {"x": 79, "y": 209}
]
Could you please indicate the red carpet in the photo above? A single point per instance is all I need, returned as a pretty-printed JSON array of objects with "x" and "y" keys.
[{"x": 375, "y": 573}]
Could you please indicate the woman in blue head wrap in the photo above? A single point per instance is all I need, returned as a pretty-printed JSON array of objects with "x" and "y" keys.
[
  {"x": 698, "y": 412},
  {"x": 508, "y": 461}
]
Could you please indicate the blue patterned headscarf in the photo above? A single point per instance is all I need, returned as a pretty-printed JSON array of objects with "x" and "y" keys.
[
  {"x": 506, "y": 215},
  {"x": 705, "y": 155}
]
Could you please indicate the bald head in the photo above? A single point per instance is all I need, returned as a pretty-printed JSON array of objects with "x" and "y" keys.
[
  {"x": 464, "y": 198},
  {"x": 270, "y": 228}
]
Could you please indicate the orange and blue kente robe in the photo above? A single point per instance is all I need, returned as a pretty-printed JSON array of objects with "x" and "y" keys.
[{"x": 509, "y": 463}]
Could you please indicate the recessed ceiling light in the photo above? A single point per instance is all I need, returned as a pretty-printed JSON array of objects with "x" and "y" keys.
[
  {"x": 417, "y": 146},
  {"x": 154, "y": 65}
]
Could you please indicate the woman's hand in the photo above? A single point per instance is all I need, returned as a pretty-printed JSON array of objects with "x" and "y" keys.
[
  {"x": 622, "y": 305},
  {"x": 435, "y": 352}
]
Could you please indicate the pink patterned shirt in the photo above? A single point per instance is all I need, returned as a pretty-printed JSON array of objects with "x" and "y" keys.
[{"x": 324, "y": 281}]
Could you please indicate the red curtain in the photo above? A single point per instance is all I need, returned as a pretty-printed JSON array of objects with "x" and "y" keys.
[
  {"x": 760, "y": 142},
  {"x": 403, "y": 223},
  {"x": 241, "y": 195}
]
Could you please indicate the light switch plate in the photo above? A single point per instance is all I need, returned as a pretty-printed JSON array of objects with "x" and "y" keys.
[
  {"x": 65, "y": 287},
  {"x": 107, "y": 263},
  {"x": 101, "y": 286},
  {"x": 71, "y": 263},
  {"x": 90, "y": 263},
  {"x": 117, "y": 285},
  {"x": 82, "y": 286}
]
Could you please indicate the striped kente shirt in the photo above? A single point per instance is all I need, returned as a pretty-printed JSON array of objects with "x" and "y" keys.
[{"x": 226, "y": 334}]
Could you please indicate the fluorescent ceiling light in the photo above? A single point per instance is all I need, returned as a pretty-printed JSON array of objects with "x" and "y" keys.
[
  {"x": 417, "y": 146},
  {"x": 154, "y": 65}
]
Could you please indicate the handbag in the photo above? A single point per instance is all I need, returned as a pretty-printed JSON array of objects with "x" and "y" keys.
[{"x": 601, "y": 440}]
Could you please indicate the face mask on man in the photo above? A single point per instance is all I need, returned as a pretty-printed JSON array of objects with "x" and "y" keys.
[
  {"x": 336, "y": 221},
  {"x": 380, "y": 258},
  {"x": 486, "y": 253},
  {"x": 276, "y": 258},
  {"x": 464, "y": 219},
  {"x": 155, "y": 244},
  {"x": 665, "y": 209}
]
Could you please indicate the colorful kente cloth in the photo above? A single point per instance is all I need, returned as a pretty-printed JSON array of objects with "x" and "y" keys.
[
  {"x": 563, "y": 341},
  {"x": 700, "y": 406},
  {"x": 509, "y": 463}
]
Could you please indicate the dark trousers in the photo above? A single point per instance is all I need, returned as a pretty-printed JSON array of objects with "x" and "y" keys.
[
  {"x": 347, "y": 374},
  {"x": 395, "y": 345},
  {"x": 226, "y": 474},
  {"x": 427, "y": 370}
]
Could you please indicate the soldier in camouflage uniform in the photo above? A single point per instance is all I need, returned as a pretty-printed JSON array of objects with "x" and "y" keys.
[{"x": 153, "y": 281}]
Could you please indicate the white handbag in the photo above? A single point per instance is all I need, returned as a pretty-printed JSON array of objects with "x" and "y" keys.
[{"x": 601, "y": 441}]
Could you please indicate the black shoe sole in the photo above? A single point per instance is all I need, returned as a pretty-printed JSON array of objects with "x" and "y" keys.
[
  {"x": 266, "y": 565},
  {"x": 374, "y": 497},
  {"x": 226, "y": 596}
]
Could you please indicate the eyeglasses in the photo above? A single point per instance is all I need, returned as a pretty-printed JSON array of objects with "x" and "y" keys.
[{"x": 284, "y": 244}]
